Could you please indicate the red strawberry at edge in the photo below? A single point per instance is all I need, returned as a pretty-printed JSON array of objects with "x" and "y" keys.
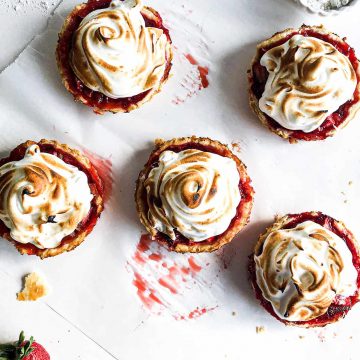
[{"x": 23, "y": 350}]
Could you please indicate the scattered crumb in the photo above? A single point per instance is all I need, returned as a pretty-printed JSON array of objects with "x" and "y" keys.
[
  {"x": 236, "y": 147},
  {"x": 34, "y": 288},
  {"x": 233, "y": 313},
  {"x": 350, "y": 337},
  {"x": 350, "y": 183},
  {"x": 345, "y": 201},
  {"x": 260, "y": 329},
  {"x": 343, "y": 193},
  {"x": 159, "y": 141},
  {"x": 301, "y": 337}
]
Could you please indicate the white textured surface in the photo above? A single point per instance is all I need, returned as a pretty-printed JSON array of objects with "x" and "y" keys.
[
  {"x": 92, "y": 291},
  {"x": 20, "y": 21}
]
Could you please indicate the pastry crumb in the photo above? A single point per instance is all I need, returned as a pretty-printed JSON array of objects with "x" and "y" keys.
[
  {"x": 260, "y": 329},
  {"x": 301, "y": 337},
  {"x": 233, "y": 313},
  {"x": 159, "y": 141},
  {"x": 350, "y": 182},
  {"x": 236, "y": 147},
  {"x": 34, "y": 288}
]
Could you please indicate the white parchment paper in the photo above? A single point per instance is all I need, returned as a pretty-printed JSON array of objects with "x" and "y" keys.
[{"x": 212, "y": 314}]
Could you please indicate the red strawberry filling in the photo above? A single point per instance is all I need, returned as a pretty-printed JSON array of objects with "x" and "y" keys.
[
  {"x": 245, "y": 188},
  {"x": 333, "y": 121},
  {"x": 341, "y": 305},
  {"x": 94, "y": 181},
  {"x": 76, "y": 86}
]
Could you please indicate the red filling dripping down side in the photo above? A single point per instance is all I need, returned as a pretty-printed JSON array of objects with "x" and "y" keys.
[
  {"x": 341, "y": 306},
  {"x": 76, "y": 86},
  {"x": 333, "y": 121},
  {"x": 94, "y": 181}
]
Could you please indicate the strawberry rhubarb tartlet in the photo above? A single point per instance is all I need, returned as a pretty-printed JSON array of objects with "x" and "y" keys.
[
  {"x": 114, "y": 55},
  {"x": 51, "y": 197},
  {"x": 305, "y": 270},
  {"x": 194, "y": 194},
  {"x": 304, "y": 83}
]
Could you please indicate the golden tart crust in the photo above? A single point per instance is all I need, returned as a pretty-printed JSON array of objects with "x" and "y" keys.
[
  {"x": 237, "y": 224},
  {"x": 272, "y": 42},
  {"x": 148, "y": 13},
  {"x": 336, "y": 226},
  {"x": 73, "y": 240}
]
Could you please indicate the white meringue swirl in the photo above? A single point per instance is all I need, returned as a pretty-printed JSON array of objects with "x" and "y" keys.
[
  {"x": 42, "y": 199},
  {"x": 309, "y": 79},
  {"x": 301, "y": 270},
  {"x": 113, "y": 52},
  {"x": 194, "y": 192}
]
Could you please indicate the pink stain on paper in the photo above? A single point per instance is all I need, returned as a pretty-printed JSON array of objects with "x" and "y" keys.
[
  {"x": 202, "y": 70},
  {"x": 104, "y": 169},
  {"x": 194, "y": 82},
  {"x": 194, "y": 314},
  {"x": 160, "y": 281}
]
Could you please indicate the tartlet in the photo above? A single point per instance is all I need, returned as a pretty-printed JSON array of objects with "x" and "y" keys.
[
  {"x": 104, "y": 69},
  {"x": 34, "y": 184},
  {"x": 182, "y": 186},
  {"x": 340, "y": 116},
  {"x": 317, "y": 297}
]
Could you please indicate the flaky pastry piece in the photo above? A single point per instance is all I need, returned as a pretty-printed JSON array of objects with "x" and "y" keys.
[{"x": 34, "y": 288}]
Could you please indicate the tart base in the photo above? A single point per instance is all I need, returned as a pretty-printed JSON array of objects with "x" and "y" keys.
[
  {"x": 181, "y": 244},
  {"x": 99, "y": 102},
  {"x": 73, "y": 157},
  {"x": 336, "y": 310},
  {"x": 328, "y": 128}
]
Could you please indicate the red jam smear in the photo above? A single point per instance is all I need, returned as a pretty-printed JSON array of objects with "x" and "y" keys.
[
  {"x": 76, "y": 86},
  {"x": 333, "y": 121},
  {"x": 245, "y": 188},
  {"x": 341, "y": 305},
  {"x": 94, "y": 181}
]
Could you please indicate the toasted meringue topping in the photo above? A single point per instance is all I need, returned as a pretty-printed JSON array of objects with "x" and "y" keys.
[
  {"x": 301, "y": 270},
  {"x": 42, "y": 199},
  {"x": 114, "y": 52},
  {"x": 309, "y": 79},
  {"x": 194, "y": 192}
]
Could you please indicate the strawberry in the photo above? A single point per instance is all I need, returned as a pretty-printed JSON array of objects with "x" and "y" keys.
[{"x": 23, "y": 350}]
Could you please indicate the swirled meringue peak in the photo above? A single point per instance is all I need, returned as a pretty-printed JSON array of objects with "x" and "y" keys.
[
  {"x": 113, "y": 52},
  {"x": 301, "y": 270},
  {"x": 42, "y": 199},
  {"x": 309, "y": 79},
  {"x": 194, "y": 192}
]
